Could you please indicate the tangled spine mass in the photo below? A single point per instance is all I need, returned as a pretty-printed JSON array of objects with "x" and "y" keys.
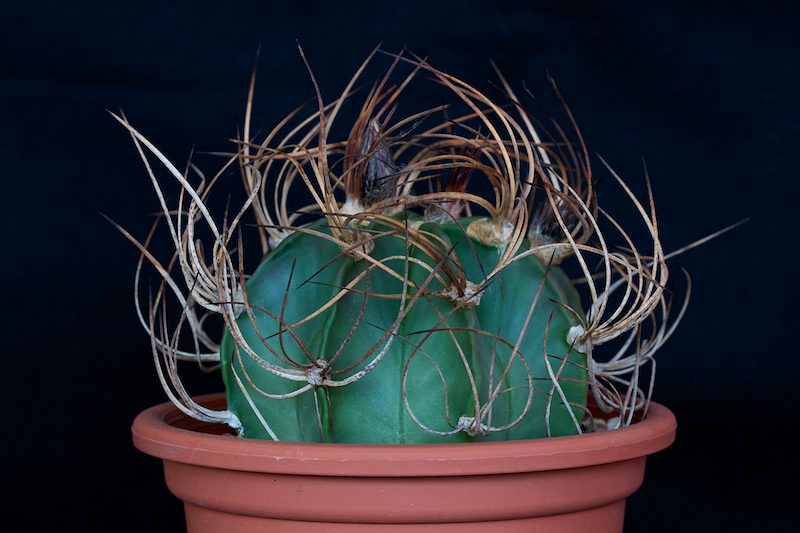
[{"x": 419, "y": 296}]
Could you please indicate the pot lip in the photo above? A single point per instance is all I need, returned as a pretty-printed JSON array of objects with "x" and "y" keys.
[{"x": 155, "y": 432}]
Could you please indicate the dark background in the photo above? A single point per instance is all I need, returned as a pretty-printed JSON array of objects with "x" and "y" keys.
[{"x": 705, "y": 92}]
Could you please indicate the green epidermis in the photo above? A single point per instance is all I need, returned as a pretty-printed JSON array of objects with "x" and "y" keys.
[{"x": 441, "y": 355}]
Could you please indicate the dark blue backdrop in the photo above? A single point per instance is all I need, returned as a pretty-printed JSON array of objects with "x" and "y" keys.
[{"x": 705, "y": 92}]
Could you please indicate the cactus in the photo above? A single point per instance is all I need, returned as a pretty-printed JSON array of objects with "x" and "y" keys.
[{"x": 419, "y": 297}]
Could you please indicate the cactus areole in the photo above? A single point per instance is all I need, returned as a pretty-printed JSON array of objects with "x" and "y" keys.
[{"x": 419, "y": 296}]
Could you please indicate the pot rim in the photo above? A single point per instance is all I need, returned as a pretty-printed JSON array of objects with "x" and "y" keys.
[{"x": 157, "y": 431}]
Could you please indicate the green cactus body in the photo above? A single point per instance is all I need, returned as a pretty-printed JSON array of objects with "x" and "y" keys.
[{"x": 371, "y": 409}]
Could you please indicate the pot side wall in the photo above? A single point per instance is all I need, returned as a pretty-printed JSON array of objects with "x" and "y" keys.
[{"x": 578, "y": 483}]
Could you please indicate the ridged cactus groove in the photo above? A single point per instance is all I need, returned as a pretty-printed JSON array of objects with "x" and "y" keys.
[{"x": 419, "y": 295}]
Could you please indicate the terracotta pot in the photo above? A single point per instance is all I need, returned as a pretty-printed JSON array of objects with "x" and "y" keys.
[{"x": 561, "y": 484}]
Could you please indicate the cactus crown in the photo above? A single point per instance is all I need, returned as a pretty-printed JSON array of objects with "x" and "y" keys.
[{"x": 419, "y": 295}]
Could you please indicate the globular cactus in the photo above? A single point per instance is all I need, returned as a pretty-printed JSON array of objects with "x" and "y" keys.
[{"x": 420, "y": 296}]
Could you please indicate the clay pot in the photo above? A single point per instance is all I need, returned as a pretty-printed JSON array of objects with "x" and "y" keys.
[{"x": 561, "y": 484}]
